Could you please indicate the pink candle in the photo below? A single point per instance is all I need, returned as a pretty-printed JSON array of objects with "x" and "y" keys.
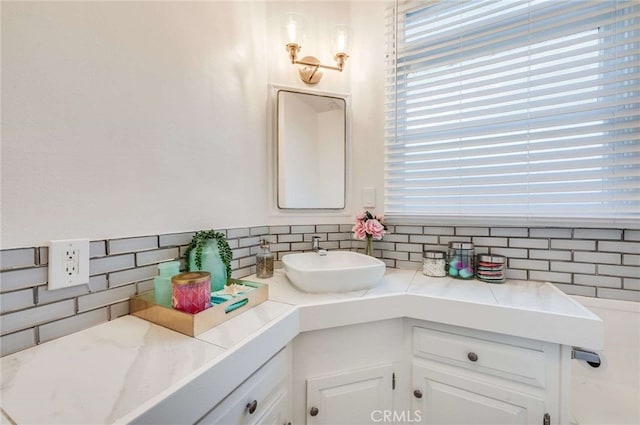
[{"x": 191, "y": 291}]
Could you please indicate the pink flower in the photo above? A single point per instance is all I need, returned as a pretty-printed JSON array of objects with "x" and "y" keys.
[
  {"x": 359, "y": 231},
  {"x": 361, "y": 216},
  {"x": 374, "y": 228}
]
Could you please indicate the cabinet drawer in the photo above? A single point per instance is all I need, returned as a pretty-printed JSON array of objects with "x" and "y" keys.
[
  {"x": 263, "y": 388},
  {"x": 485, "y": 356}
]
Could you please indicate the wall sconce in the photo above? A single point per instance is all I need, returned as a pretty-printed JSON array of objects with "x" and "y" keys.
[{"x": 294, "y": 32}]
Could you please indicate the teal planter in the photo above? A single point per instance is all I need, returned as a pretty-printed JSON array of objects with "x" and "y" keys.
[{"x": 212, "y": 263}]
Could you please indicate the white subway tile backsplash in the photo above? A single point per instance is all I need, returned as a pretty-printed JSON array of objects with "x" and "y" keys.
[
  {"x": 408, "y": 265},
  {"x": 585, "y": 268},
  {"x": 430, "y": 239},
  {"x": 14, "y": 258},
  {"x": 347, "y": 228},
  {"x": 396, "y": 255},
  {"x": 632, "y": 235},
  {"x": 24, "y": 319},
  {"x": 277, "y": 247},
  {"x": 528, "y": 243},
  {"x": 19, "y": 279},
  {"x": 259, "y": 231},
  {"x": 17, "y": 300},
  {"x": 514, "y": 232},
  {"x": 291, "y": 238},
  {"x": 509, "y": 252},
  {"x": 547, "y": 232},
  {"x": 410, "y": 230},
  {"x": 345, "y": 244},
  {"x": 98, "y": 283},
  {"x": 550, "y": 276},
  {"x": 156, "y": 256},
  {"x": 118, "y": 246},
  {"x": 144, "y": 286},
  {"x": 516, "y": 274},
  {"x": 249, "y": 241},
  {"x": 389, "y": 262},
  {"x": 409, "y": 247},
  {"x": 383, "y": 245},
  {"x": 614, "y": 234},
  {"x": 45, "y": 296},
  {"x": 630, "y": 283},
  {"x": 489, "y": 241},
  {"x": 175, "y": 239},
  {"x": 617, "y": 294},
  {"x": 72, "y": 324},
  {"x": 246, "y": 262},
  {"x": 304, "y": 229},
  {"x": 97, "y": 249},
  {"x": 238, "y": 233},
  {"x": 444, "y": 240},
  {"x": 118, "y": 310},
  {"x": 585, "y": 291},
  {"x": 338, "y": 236},
  {"x": 309, "y": 237},
  {"x": 596, "y": 257},
  {"x": 306, "y": 246},
  {"x": 43, "y": 256},
  {"x": 104, "y": 298},
  {"x": 276, "y": 230},
  {"x": 439, "y": 231},
  {"x": 572, "y": 244},
  {"x": 241, "y": 252},
  {"x": 392, "y": 237},
  {"x": 111, "y": 264},
  {"x": 17, "y": 341},
  {"x": 549, "y": 255},
  {"x": 516, "y": 263},
  {"x": 624, "y": 271},
  {"x": 624, "y": 247},
  {"x": 133, "y": 275},
  {"x": 631, "y": 260},
  {"x": 600, "y": 281},
  {"x": 472, "y": 231},
  {"x": 327, "y": 228}
]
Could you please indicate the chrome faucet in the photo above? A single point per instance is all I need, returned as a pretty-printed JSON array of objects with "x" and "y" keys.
[{"x": 315, "y": 243}]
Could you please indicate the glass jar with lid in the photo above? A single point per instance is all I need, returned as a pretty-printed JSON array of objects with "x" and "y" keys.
[
  {"x": 491, "y": 268},
  {"x": 435, "y": 264},
  {"x": 461, "y": 260}
]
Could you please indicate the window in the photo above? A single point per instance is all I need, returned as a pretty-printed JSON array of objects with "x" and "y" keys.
[{"x": 514, "y": 109}]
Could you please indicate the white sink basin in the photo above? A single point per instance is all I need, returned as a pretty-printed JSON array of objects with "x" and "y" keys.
[{"x": 338, "y": 271}]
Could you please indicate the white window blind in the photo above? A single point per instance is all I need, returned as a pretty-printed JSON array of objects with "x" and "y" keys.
[{"x": 514, "y": 108}]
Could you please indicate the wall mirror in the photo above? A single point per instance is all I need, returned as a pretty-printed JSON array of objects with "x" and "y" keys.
[{"x": 311, "y": 150}]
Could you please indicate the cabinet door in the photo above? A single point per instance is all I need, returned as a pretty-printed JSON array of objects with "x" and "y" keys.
[
  {"x": 462, "y": 398},
  {"x": 279, "y": 412},
  {"x": 351, "y": 397}
]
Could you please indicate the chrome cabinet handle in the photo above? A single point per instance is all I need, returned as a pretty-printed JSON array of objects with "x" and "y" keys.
[
  {"x": 472, "y": 356},
  {"x": 417, "y": 394},
  {"x": 313, "y": 411},
  {"x": 251, "y": 407}
]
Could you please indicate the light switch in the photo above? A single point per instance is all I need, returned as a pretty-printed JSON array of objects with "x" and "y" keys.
[{"x": 369, "y": 197}]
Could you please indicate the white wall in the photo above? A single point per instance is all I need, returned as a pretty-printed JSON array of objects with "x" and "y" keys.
[{"x": 134, "y": 118}]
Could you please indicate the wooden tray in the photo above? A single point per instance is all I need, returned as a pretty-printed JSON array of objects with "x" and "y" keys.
[{"x": 145, "y": 307}]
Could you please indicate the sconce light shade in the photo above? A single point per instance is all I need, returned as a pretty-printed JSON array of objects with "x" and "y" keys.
[
  {"x": 294, "y": 28},
  {"x": 341, "y": 39},
  {"x": 293, "y": 32}
]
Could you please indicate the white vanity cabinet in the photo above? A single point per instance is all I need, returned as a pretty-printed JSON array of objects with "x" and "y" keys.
[
  {"x": 350, "y": 398},
  {"x": 465, "y": 376},
  {"x": 263, "y": 398}
]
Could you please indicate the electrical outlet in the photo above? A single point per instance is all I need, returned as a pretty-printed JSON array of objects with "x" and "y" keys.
[{"x": 68, "y": 263}]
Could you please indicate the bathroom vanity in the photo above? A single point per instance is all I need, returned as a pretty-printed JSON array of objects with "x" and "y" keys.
[{"x": 411, "y": 349}]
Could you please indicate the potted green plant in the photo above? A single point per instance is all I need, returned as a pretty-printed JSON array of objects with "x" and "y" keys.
[{"x": 209, "y": 251}]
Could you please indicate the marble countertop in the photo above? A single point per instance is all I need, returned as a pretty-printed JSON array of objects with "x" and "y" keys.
[{"x": 131, "y": 371}]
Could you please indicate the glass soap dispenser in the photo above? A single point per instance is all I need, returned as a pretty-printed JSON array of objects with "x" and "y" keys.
[{"x": 264, "y": 261}]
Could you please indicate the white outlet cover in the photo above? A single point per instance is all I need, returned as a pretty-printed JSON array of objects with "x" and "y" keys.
[{"x": 68, "y": 263}]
